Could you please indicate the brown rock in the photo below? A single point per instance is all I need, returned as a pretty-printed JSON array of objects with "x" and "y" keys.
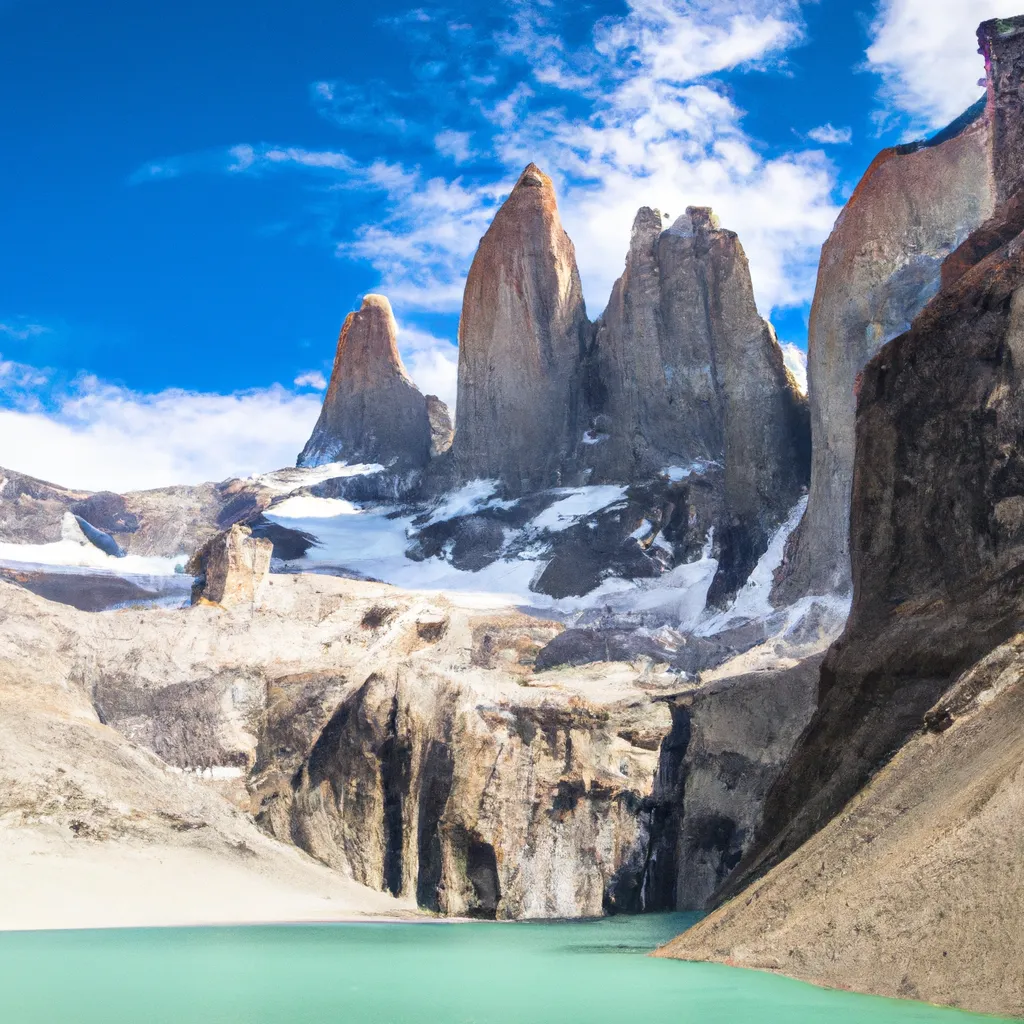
[
  {"x": 521, "y": 336},
  {"x": 232, "y": 567},
  {"x": 372, "y": 411}
]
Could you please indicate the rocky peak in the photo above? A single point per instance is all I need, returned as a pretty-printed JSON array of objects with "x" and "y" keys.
[
  {"x": 521, "y": 335},
  {"x": 1002, "y": 43},
  {"x": 372, "y": 411},
  {"x": 684, "y": 372}
]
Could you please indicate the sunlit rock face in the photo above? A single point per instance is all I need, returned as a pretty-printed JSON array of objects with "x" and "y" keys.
[
  {"x": 372, "y": 411},
  {"x": 683, "y": 371},
  {"x": 881, "y": 264},
  {"x": 521, "y": 336},
  {"x": 231, "y": 568}
]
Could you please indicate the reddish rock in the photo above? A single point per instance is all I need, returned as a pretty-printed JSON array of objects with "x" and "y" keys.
[
  {"x": 521, "y": 336},
  {"x": 372, "y": 411}
]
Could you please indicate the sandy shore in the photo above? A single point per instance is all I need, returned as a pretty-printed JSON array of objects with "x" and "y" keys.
[{"x": 48, "y": 880}]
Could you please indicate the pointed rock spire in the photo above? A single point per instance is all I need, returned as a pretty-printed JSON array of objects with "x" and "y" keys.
[
  {"x": 521, "y": 335},
  {"x": 686, "y": 372},
  {"x": 372, "y": 411}
]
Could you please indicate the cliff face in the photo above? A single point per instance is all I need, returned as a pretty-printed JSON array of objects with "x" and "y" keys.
[
  {"x": 881, "y": 264},
  {"x": 372, "y": 411},
  {"x": 684, "y": 371},
  {"x": 521, "y": 336},
  {"x": 937, "y": 544}
]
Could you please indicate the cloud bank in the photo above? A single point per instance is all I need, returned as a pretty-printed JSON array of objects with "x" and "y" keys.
[{"x": 927, "y": 56}]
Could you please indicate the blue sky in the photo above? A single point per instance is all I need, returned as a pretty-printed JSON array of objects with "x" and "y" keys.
[{"x": 194, "y": 194}]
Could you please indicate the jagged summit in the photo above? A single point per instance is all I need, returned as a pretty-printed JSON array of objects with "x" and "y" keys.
[
  {"x": 684, "y": 371},
  {"x": 372, "y": 411},
  {"x": 522, "y": 331}
]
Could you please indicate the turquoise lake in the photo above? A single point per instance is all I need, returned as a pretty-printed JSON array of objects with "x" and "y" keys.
[{"x": 562, "y": 973}]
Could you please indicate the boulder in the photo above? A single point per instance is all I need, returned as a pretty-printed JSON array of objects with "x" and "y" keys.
[
  {"x": 521, "y": 335},
  {"x": 231, "y": 568},
  {"x": 372, "y": 411},
  {"x": 442, "y": 433}
]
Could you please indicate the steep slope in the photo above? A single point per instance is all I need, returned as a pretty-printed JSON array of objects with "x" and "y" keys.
[
  {"x": 372, "y": 411},
  {"x": 917, "y": 888},
  {"x": 521, "y": 336},
  {"x": 881, "y": 264}
]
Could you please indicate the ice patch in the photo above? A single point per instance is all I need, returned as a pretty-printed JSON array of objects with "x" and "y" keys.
[
  {"x": 578, "y": 503},
  {"x": 69, "y": 553},
  {"x": 593, "y": 437},
  {"x": 676, "y": 473},
  {"x": 752, "y": 599},
  {"x": 306, "y": 506},
  {"x": 470, "y": 498},
  {"x": 291, "y": 478}
]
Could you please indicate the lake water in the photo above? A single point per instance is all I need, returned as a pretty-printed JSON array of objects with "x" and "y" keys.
[{"x": 593, "y": 972}]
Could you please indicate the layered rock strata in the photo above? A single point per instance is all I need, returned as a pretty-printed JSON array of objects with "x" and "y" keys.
[
  {"x": 683, "y": 372},
  {"x": 915, "y": 204},
  {"x": 372, "y": 411},
  {"x": 521, "y": 337}
]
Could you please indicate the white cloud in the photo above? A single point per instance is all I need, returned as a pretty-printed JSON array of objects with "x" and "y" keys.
[
  {"x": 795, "y": 359},
  {"x": 311, "y": 379},
  {"x": 99, "y": 436},
  {"x": 454, "y": 144},
  {"x": 927, "y": 54},
  {"x": 829, "y": 135},
  {"x": 657, "y": 133},
  {"x": 432, "y": 363}
]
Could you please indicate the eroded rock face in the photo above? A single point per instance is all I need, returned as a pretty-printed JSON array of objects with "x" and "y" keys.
[
  {"x": 683, "y": 371},
  {"x": 881, "y": 264},
  {"x": 915, "y": 889},
  {"x": 232, "y": 568},
  {"x": 521, "y": 336},
  {"x": 441, "y": 430},
  {"x": 372, "y": 411}
]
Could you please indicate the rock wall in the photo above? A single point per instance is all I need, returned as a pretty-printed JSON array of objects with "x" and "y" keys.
[
  {"x": 916, "y": 889},
  {"x": 881, "y": 264},
  {"x": 372, "y": 411},
  {"x": 231, "y": 568},
  {"x": 521, "y": 336}
]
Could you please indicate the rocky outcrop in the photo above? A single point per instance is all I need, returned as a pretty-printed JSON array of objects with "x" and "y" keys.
[
  {"x": 916, "y": 889},
  {"x": 915, "y": 773},
  {"x": 915, "y": 204},
  {"x": 231, "y": 568},
  {"x": 442, "y": 433},
  {"x": 521, "y": 336},
  {"x": 683, "y": 372},
  {"x": 372, "y": 411}
]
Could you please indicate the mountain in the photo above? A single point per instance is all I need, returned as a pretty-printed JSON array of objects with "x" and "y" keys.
[{"x": 372, "y": 411}]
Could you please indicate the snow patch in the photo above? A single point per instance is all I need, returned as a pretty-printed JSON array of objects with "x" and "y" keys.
[
  {"x": 752, "y": 599},
  {"x": 292, "y": 478},
  {"x": 676, "y": 473},
  {"x": 578, "y": 503},
  {"x": 470, "y": 498},
  {"x": 306, "y": 506},
  {"x": 73, "y": 554}
]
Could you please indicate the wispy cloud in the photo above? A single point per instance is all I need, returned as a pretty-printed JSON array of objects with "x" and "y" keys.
[
  {"x": 432, "y": 362},
  {"x": 927, "y": 56},
  {"x": 23, "y": 331},
  {"x": 795, "y": 359},
  {"x": 634, "y": 117},
  {"x": 829, "y": 135},
  {"x": 311, "y": 379}
]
